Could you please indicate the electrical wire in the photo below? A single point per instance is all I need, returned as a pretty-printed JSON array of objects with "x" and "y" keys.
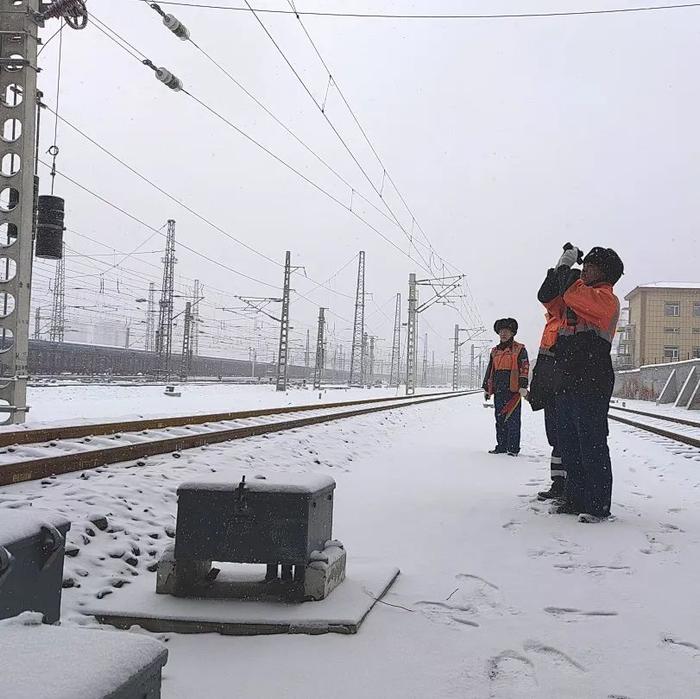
[
  {"x": 146, "y": 225},
  {"x": 451, "y": 16}
]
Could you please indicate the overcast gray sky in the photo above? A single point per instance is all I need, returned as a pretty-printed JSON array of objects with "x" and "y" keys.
[{"x": 507, "y": 138}]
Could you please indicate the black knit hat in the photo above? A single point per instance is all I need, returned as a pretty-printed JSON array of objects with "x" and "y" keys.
[
  {"x": 608, "y": 261},
  {"x": 506, "y": 323}
]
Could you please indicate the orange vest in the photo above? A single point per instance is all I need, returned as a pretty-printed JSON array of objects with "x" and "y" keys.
[{"x": 507, "y": 359}]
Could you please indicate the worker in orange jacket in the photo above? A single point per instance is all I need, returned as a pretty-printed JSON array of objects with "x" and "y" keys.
[
  {"x": 541, "y": 395},
  {"x": 507, "y": 377},
  {"x": 584, "y": 376}
]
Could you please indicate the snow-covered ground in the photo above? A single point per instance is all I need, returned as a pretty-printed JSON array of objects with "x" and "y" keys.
[
  {"x": 665, "y": 409},
  {"x": 71, "y": 404},
  {"x": 497, "y": 598}
]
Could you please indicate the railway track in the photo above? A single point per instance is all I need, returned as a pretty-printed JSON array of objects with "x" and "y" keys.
[
  {"x": 32, "y": 454},
  {"x": 659, "y": 425}
]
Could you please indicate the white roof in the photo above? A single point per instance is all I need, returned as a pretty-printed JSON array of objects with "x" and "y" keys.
[{"x": 670, "y": 285}]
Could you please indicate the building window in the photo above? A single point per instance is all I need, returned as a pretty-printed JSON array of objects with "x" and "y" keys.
[
  {"x": 672, "y": 309},
  {"x": 671, "y": 353},
  {"x": 696, "y": 352},
  {"x": 672, "y": 330},
  {"x": 696, "y": 309}
]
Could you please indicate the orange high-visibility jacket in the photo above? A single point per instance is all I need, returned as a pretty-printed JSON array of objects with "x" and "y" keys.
[{"x": 512, "y": 358}]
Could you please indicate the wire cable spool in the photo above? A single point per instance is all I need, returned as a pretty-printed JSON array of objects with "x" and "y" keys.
[{"x": 50, "y": 227}]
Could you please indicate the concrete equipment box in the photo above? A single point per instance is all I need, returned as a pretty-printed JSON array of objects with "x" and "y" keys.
[{"x": 32, "y": 545}]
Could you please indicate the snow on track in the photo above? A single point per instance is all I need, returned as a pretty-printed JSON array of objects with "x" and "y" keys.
[{"x": 497, "y": 598}]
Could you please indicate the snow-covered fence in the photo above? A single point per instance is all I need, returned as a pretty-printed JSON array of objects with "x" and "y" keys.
[{"x": 648, "y": 382}]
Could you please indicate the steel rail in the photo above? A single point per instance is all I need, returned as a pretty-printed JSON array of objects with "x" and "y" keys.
[
  {"x": 51, "y": 434},
  {"x": 35, "y": 469},
  {"x": 683, "y": 438},
  {"x": 657, "y": 416}
]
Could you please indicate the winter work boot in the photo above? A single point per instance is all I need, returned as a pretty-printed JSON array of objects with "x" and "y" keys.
[
  {"x": 512, "y": 453},
  {"x": 497, "y": 450},
  {"x": 565, "y": 507},
  {"x": 585, "y": 518},
  {"x": 556, "y": 490}
]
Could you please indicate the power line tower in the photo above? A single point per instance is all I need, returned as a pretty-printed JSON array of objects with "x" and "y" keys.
[
  {"x": 471, "y": 368},
  {"x": 442, "y": 287},
  {"x": 58, "y": 316},
  {"x": 150, "y": 318},
  {"x": 283, "y": 352},
  {"x": 307, "y": 357},
  {"x": 195, "y": 317},
  {"x": 365, "y": 357},
  {"x": 18, "y": 109},
  {"x": 456, "y": 367},
  {"x": 320, "y": 349},
  {"x": 370, "y": 361},
  {"x": 395, "y": 372},
  {"x": 186, "y": 357},
  {"x": 164, "y": 338},
  {"x": 357, "y": 357},
  {"x": 424, "y": 377},
  {"x": 37, "y": 323}
]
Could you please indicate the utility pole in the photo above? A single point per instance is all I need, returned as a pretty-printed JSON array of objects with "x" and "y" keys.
[
  {"x": 411, "y": 347},
  {"x": 370, "y": 376},
  {"x": 151, "y": 318},
  {"x": 186, "y": 357},
  {"x": 18, "y": 108},
  {"x": 471, "y": 368},
  {"x": 395, "y": 373},
  {"x": 284, "y": 326},
  {"x": 432, "y": 369},
  {"x": 306, "y": 355},
  {"x": 164, "y": 338},
  {"x": 365, "y": 357},
  {"x": 456, "y": 360},
  {"x": 424, "y": 381},
  {"x": 37, "y": 323},
  {"x": 442, "y": 288},
  {"x": 195, "y": 317},
  {"x": 320, "y": 349},
  {"x": 58, "y": 317},
  {"x": 357, "y": 368}
]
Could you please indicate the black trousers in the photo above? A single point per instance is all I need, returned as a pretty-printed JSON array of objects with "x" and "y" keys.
[
  {"x": 583, "y": 441},
  {"x": 551, "y": 426},
  {"x": 507, "y": 428}
]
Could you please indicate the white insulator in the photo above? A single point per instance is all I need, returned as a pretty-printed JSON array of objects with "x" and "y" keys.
[
  {"x": 168, "y": 79},
  {"x": 176, "y": 27}
]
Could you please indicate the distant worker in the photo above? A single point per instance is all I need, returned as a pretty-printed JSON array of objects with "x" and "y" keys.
[
  {"x": 584, "y": 376},
  {"x": 506, "y": 380},
  {"x": 541, "y": 395}
]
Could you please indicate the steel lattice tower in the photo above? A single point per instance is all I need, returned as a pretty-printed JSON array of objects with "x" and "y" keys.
[
  {"x": 164, "y": 338},
  {"x": 424, "y": 376},
  {"x": 58, "y": 315},
  {"x": 37, "y": 323},
  {"x": 186, "y": 357},
  {"x": 411, "y": 346},
  {"x": 320, "y": 349},
  {"x": 357, "y": 359},
  {"x": 307, "y": 356},
  {"x": 395, "y": 372},
  {"x": 370, "y": 362},
  {"x": 195, "y": 317},
  {"x": 284, "y": 326},
  {"x": 456, "y": 361},
  {"x": 150, "y": 341}
]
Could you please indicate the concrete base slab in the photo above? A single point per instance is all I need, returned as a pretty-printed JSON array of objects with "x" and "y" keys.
[{"x": 342, "y": 612}]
